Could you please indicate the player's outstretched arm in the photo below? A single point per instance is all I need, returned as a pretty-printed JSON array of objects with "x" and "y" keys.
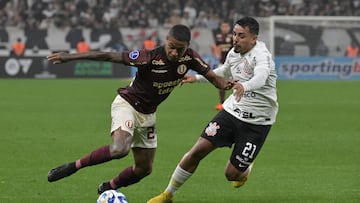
[
  {"x": 218, "y": 81},
  {"x": 63, "y": 57}
]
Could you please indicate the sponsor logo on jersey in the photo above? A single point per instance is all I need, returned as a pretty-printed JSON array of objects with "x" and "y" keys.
[
  {"x": 267, "y": 58},
  {"x": 181, "y": 69},
  {"x": 134, "y": 55},
  {"x": 159, "y": 71},
  {"x": 139, "y": 63},
  {"x": 158, "y": 62},
  {"x": 237, "y": 68},
  {"x": 249, "y": 94},
  {"x": 185, "y": 58},
  {"x": 167, "y": 83},
  {"x": 211, "y": 130},
  {"x": 166, "y": 87},
  {"x": 244, "y": 114}
]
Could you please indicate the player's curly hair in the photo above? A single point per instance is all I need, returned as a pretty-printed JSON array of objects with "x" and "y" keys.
[
  {"x": 249, "y": 22},
  {"x": 181, "y": 33}
]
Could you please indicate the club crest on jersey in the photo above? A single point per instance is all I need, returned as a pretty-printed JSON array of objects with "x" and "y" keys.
[
  {"x": 247, "y": 67},
  {"x": 211, "y": 130},
  {"x": 248, "y": 70},
  {"x": 134, "y": 55},
  {"x": 181, "y": 69},
  {"x": 129, "y": 124}
]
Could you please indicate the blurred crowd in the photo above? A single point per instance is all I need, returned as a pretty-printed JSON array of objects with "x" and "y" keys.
[{"x": 154, "y": 13}]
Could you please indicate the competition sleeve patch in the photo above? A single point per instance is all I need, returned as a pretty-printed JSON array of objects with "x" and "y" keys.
[
  {"x": 134, "y": 55},
  {"x": 136, "y": 58}
]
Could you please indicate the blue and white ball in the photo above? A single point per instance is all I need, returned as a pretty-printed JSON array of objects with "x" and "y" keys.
[{"x": 111, "y": 196}]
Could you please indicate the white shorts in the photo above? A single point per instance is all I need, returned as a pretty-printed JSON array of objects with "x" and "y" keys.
[{"x": 140, "y": 126}]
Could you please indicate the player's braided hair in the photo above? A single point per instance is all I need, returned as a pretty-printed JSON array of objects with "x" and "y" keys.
[
  {"x": 249, "y": 22},
  {"x": 181, "y": 33}
]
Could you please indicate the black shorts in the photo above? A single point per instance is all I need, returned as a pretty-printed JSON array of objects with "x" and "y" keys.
[{"x": 226, "y": 130}]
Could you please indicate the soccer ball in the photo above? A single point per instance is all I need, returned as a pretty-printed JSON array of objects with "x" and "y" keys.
[{"x": 111, "y": 196}]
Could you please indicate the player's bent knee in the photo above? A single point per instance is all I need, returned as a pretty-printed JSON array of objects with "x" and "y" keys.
[
  {"x": 142, "y": 172},
  {"x": 118, "y": 151},
  {"x": 121, "y": 144},
  {"x": 232, "y": 173}
]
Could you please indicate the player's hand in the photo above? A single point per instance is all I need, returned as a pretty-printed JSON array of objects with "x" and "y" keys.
[
  {"x": 188, "y": 79},
  {"x": 238, "y": 91},
  {"x": 229, "y": 84},
  {"x": 57, "y": 58}
]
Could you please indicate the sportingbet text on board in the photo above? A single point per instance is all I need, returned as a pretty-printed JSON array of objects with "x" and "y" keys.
[{"x": 317, "y": 68}]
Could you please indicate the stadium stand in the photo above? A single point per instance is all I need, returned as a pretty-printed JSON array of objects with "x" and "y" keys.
[
  {"x": 147, "y": 13},
  {"x": 49, "y": 18}
]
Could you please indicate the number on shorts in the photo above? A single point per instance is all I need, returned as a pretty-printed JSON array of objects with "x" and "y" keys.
[
  {"x": 249, "y": 150},
  {"x": 150, "y": 133}
]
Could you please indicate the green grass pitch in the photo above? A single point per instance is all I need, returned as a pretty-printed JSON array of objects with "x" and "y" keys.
[{"x": 311, "y": 154}]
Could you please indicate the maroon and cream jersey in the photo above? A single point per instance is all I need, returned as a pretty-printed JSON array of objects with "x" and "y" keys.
[{"x": 156, "y": 76}]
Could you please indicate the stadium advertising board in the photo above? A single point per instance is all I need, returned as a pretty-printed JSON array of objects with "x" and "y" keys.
[
  {"x": 288, "y": 68},
  {"x": 39, "y": 67},
  {"x": 317, "y": 68}
]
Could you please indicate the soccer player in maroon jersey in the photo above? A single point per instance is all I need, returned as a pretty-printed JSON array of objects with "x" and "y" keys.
[{"x": 133, "y": 127}]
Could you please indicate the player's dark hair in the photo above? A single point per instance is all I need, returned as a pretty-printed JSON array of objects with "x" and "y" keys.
[
  {"x": 249, "y": 22},
  {"x": 181, "y": 33}
]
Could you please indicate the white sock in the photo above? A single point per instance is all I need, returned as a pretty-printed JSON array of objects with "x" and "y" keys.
[{"x": 178, "y": 178}]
